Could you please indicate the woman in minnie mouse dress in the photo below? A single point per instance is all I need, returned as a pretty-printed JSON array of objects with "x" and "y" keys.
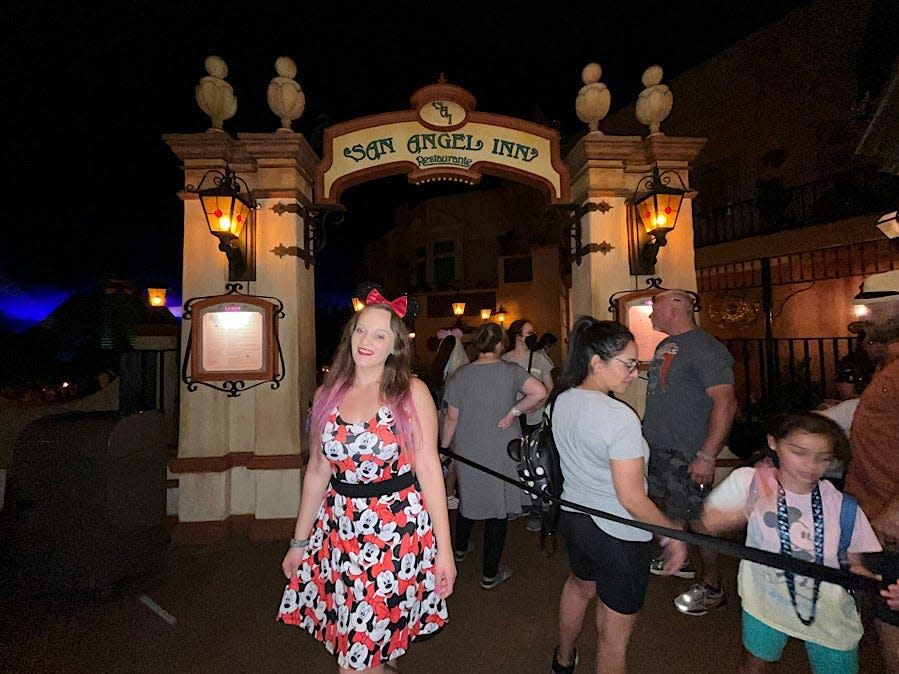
[{"x": 370, "y": 564}]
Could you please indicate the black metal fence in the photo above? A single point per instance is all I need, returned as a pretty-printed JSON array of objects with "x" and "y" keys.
[
  {"x": 786, "y": 374},
  {"x": 776, "y": 208}
]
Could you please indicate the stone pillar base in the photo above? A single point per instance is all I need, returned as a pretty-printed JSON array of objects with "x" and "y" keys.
[
  {"x": 244, "y": 526},
  {"x": 239, "y": 494}
]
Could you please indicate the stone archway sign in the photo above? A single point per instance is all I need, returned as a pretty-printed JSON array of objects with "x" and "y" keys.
[{"x": 442, "y": 137}]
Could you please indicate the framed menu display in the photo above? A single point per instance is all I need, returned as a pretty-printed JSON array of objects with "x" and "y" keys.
[
  {"x": 233, "y": 340},
  {"x": 632, "y": 309}
]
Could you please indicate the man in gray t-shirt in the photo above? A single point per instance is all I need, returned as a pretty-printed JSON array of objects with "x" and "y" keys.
[{"x": 690, "y": 406}]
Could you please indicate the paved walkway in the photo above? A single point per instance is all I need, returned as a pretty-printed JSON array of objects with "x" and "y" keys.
[{"x": 223, "y": 599}]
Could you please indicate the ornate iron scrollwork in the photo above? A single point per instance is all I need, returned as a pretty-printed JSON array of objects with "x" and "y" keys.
[
  {"x": 232, "y": 387},
  {"x": 654, "y": 283},
  {"x": 314, "y": 222},
  {"x": 572, "y": 234}
]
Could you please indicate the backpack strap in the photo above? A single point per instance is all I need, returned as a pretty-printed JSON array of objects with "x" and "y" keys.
[{"x": 847, "y": 523}]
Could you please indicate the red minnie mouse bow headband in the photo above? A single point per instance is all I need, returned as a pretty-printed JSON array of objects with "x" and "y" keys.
[{"x": 398, "y": 305}]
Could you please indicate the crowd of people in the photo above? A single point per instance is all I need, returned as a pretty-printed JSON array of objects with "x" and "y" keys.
[{"x": 373, "y": 558}]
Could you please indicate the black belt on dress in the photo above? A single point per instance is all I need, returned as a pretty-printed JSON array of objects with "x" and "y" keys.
[{"x": 370, "y": 489}]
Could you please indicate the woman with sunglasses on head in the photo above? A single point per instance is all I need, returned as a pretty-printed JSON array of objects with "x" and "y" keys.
[
  {"x": 603, "y": 457},
  {"x": 370, "y": 564}
]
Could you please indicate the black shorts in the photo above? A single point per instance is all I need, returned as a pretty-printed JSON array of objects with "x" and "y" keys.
[{"x": 620, "y": 569}]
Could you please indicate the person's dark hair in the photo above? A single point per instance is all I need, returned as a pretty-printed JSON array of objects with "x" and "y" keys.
[
  {"x": 590, "y": 337},
  {"x": 781, "y": 425},
  {"x": 547, "y": 339},
  {"x": 435, "y": 372},
  {"x": 515, "y": 328},
  {"x": 487, "y": 337}
]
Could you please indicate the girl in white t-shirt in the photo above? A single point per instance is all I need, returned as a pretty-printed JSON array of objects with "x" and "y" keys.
[{"x": 790, "y": 509}]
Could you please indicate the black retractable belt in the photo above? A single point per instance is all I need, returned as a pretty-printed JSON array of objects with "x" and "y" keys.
[
  {"x": 847, "y": 579},
  {"x": 372, "y": 489}
]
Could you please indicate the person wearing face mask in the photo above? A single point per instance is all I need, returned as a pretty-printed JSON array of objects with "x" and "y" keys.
[
  {"x": 524, "y": 350},
  {"x": 483, "y": 402}
]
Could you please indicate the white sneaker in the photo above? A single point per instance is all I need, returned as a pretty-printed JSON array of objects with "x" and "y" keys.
[
  {"x": 699, "y": 600},
  {"x": 452, "y": 502},
  {"x": 503, "y": 573}
]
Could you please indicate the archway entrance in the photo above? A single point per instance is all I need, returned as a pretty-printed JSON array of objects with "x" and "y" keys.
[
  {"x": 446, "y": 250},
  {"x": 442, "y": 137},
  {"x": 239, "y": 463}
]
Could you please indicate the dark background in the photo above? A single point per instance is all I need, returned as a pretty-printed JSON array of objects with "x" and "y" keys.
[{"x": 88, "y": 91}]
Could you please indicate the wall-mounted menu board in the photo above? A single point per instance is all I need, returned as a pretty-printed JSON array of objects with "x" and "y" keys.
[
  {"x": 632, "y": 310},
  {"x": 233, "y": 337}
]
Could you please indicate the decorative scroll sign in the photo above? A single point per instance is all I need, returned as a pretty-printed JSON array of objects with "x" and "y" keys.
[
  {"x": 631, "y": 308},
  {"x": 441, "y": 138}
]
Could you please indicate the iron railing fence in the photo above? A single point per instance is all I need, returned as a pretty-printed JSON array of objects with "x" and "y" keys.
[
  {"x": 842, "y": 195},
  {"x": 785, "y": 374}
]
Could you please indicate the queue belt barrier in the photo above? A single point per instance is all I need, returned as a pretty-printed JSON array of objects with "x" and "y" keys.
[{"x": 847, "y": 579}]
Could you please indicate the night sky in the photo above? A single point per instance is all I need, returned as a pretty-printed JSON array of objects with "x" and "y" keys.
[{"x": 89, "y": 89}]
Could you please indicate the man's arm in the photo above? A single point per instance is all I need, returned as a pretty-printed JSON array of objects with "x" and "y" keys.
[{"x": 724, "y": 408}]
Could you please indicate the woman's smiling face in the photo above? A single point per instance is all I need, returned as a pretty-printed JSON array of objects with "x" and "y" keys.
[{"x": 372, "y": 339}]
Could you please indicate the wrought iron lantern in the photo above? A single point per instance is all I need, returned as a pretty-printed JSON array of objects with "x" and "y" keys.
[
  {"x": 485, "y": 314},
  {"x": 652, "y": 214},
  {"x": 228, "y": 208}
]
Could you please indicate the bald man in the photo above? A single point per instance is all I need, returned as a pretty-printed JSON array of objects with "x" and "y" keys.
[{"x": 690, "y": 406}]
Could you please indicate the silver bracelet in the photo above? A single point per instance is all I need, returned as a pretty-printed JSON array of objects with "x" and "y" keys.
[
  {"x": 299, "y": 543},
  {"x": 706, "y": 456},
  {"x": 515, "y": 412}
]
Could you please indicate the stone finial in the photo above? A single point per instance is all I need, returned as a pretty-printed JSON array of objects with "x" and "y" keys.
[
  {"x": 214, "y": 95},
  {"x": 593, "y": 100},
  {"x": 285, "y": 96},
  {"x": 655, "y": 101}
]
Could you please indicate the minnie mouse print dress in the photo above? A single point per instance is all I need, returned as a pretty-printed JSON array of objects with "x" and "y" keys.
[{"x": 366, "y": 586}]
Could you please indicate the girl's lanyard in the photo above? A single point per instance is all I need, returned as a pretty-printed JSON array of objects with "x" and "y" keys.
[{"x": 783, "y": 524}]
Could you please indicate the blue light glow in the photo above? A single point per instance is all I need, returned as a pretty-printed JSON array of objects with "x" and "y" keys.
[{"x": 26, "y": 308}]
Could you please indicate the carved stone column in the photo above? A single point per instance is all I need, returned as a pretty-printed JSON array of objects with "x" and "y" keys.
[
  {"x": 239, "y": 459},
  {"x": 605, "y": 171}
]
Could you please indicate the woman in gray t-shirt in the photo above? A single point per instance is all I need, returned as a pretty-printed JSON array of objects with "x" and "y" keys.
[
  {"x": 481, "y": 418},
  {"x": 603, "y": 457}
]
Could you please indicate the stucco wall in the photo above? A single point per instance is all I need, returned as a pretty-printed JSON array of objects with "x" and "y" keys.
[{"x": 792, "y": 85}]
